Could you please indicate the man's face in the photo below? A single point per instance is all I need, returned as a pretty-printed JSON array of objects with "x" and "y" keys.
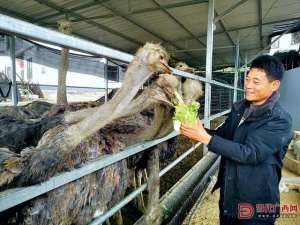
[{"x": 259, "y": 87}]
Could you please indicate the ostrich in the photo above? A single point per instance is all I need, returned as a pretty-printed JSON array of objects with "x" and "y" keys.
[
  {"x": 82, "y": 136},
  {"x": 184, "y": 67},
  {"x": 73, "y": 137}
]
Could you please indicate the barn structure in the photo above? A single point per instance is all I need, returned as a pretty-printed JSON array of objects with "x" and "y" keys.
[{"x": 218, "y": 38}]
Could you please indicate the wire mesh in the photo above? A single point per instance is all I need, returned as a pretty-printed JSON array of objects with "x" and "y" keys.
[
  {"x": 224, "y": 77},
  {"x": 221, "y": 99}
]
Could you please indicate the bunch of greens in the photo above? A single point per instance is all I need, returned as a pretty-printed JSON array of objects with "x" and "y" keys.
[{"x": 186, "y": 113}]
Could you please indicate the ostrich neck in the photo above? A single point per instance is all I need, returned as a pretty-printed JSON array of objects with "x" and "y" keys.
[{"x": 135, "y": 77}]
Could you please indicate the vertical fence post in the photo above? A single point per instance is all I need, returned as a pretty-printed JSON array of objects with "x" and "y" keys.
[
  {"x": 106, "y": 79},
  {"x": 209, "y": 58},
  {"x": 236, "y": 71},
  {"x": 14, "y": 93},
  {"x": 245, "y": 72},
  {"x": 153, "y": 215}
]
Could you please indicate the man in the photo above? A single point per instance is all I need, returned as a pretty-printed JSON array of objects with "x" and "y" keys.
[{"x": 252, "y": 142}]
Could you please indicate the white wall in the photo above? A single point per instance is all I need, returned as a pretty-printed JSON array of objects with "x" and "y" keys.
[{"x": 49, "y": 76}]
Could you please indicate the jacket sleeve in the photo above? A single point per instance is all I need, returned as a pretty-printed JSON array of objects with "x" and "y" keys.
[{"x": 259, "y": 143}]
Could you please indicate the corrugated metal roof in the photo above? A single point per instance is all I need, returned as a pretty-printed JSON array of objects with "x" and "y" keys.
[
  {"x": 192, "y": 17},
  {"x": 179, "y": 24}
]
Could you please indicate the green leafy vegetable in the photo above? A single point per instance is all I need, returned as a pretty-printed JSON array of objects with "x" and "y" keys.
[{"x": 186, "y": 113}]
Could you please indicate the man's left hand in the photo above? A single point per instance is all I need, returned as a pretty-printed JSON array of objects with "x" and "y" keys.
[{"x": 197, "y": 132}]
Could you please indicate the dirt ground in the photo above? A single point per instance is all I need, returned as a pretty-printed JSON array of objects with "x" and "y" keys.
[
  {"x": 50, "y": 96},
  {"x": 207, "y": 212}
]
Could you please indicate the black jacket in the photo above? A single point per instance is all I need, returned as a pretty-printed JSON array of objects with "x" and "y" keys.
[{"x": 252, "y": 154}]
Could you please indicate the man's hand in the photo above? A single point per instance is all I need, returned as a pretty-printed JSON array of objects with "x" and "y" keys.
[{"x": 197, "y": 132}]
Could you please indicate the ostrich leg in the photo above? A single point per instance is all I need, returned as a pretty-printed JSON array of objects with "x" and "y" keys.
[
  {"x": 153, "y": 212},
  {"x": 118, "y": 218},
  {"x": 140, "y": 198}
]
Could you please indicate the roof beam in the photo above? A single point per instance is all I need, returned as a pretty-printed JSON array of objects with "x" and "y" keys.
[
  {"x": 215, "y": 48},
  {"x": 16, "y": 14},
  {"x": 259, "y": 5},
  {"x": 217, "y": 64},
  {"x": 73, "y": 14},
  {"x": 228, "y": 11},
  {"x": 146, "y": 10},
  {"x": 178, "y": 23},
  {"x": 226, "y": 33},
  {"x": 170, "y": 6},
  {"x": 224, "y": 29},
  {"x": 98, "y": 25},
  {"x": 76, "y": 8},
  {"x": 117, "y": 13},
  {"x": 31, "y": 20},
  {"x": 220, "y": 17},
  {"x": 242, "y": 28}
]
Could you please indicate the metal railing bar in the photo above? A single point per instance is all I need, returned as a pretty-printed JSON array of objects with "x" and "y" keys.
[
  {"x": 69, "y": 86},
  {"x": 203, "y": 79},
  {"x": 224, "y": 85},
  {"x": 13, "y": 197},
  {"x": 212, "y": 117},
  {"x": 26, "y": 29},
  {"x": 139, "y": 190},
  {"x": 118, "y": 206},
  {"x": 179, "y": 159},
  {"x": 187, "y": 75}
]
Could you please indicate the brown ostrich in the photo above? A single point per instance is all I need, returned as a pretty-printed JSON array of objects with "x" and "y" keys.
[
  {"x": 191, "y": 90},
  {"x": 184, "y": 67},
  {"x": 82, "y": 136},
  {"x": 73, "y": 135},
  {"x": 194, "y": 85}
]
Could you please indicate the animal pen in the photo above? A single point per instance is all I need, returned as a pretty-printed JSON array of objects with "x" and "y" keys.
[{"x": 178, "y": 199}]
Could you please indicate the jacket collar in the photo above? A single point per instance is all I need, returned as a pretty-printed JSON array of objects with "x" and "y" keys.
[{"x": 258, "y": 110}]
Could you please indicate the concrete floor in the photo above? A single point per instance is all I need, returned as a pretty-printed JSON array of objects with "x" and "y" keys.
[{"x": 207, "y": 213}]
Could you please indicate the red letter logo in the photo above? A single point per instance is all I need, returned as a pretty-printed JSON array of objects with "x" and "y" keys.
[{"x": 246, "y": 211}]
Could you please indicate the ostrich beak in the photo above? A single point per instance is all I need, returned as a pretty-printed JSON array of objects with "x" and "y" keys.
[{"x": 165, "y": 67}]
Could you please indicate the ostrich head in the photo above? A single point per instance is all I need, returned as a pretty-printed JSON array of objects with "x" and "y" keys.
[
  {"x": 184, "y": 67},
  {"x": 155, "y": 57},
  {"x": 192, "y": 90}
]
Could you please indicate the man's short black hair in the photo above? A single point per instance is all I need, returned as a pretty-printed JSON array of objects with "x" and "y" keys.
[{"x": 270, "y": 64}]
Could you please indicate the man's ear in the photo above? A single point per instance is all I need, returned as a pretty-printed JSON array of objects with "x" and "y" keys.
[{"x": 275, "y": 85}]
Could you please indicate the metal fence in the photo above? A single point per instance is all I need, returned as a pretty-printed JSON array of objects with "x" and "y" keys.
[
  {"x": 219, "y": 102},
  {"x": 38, "y": 64}
]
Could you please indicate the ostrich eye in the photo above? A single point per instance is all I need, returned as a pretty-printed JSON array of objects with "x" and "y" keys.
[{"x": 161, "y": 57}]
